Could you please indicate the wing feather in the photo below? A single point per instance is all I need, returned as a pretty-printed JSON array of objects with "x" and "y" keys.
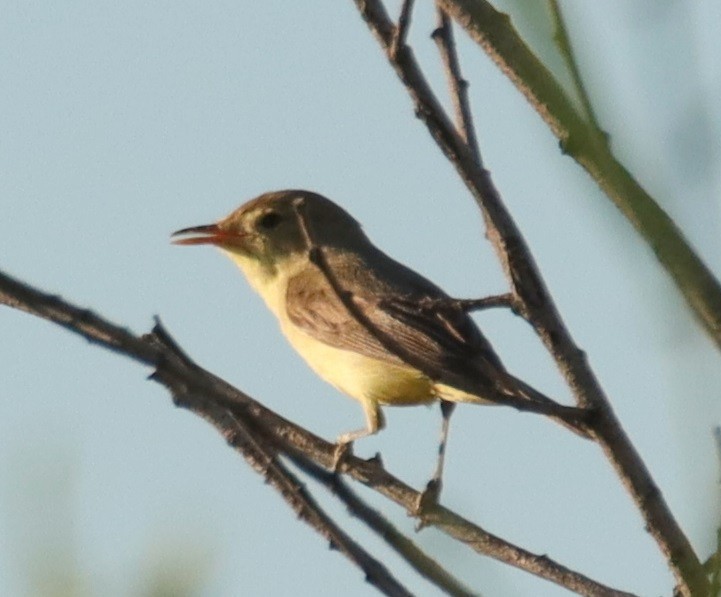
[{"x": 402, "y": 318}]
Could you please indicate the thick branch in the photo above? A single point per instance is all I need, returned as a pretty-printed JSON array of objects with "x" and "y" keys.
[
  {"x": 212, "y": 398},
  {"x": 537, "y": 306}
]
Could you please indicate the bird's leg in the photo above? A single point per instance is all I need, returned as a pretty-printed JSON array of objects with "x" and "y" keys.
[
  {"x": 374, "y": 423},
  {"x": 446, "y": 412},
  {"x": 432, "y": 491}
]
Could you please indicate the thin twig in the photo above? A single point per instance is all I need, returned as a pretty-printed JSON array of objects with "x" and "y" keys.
[
  {"x": 537, "y": 306},
  {"x": 84, "y": 322},
  {"x": 210, "y": 397},
  {"x": 507, "y": 301},
  {"x": 563, "y": 41},
  {"x": 443, "y": 36},
  {"x": 488, "y": 302},
  {"x": 404, "y": 23}
]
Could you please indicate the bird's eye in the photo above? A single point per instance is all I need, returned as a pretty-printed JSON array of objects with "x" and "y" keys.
[{"x": 269, "y": 220}]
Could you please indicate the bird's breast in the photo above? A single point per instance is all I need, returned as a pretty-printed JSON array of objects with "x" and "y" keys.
[{"x": 359, "y": 376}]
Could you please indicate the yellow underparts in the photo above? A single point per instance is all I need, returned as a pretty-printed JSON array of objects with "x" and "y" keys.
[
  {"x": 367, "y": 379},
  {"x": 372, "y": 382}
]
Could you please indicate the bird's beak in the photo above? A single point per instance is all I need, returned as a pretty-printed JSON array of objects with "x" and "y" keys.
[{"x": 210, "y": 234}]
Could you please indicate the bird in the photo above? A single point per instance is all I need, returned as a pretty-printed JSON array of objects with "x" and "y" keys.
[{"x": 370, "y": 326}]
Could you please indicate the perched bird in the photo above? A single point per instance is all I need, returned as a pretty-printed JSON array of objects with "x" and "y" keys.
[{"x": 370, "y": 326}]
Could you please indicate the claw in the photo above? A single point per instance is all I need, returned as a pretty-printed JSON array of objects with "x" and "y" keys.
[
  {"x": 341, "y": 453},
  {"x": 426, "y": 499}
]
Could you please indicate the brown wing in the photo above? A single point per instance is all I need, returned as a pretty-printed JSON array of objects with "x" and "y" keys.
[
  {"x": 313, "y": 306},
  {"x": 386, "y": 311}
]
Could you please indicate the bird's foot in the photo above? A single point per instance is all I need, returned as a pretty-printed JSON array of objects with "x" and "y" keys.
[
  {"x": 426, "y": 499},
  {"x": 343, "y": 449}
]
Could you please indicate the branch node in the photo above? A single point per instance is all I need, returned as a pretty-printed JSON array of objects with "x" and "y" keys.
[{"x": 401, "y": 30}]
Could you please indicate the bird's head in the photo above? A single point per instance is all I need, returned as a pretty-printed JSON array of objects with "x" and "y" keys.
[{"x": 277, "y": 226}]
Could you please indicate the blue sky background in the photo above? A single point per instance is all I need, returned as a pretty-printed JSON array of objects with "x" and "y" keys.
[{"x": 121, "y": 122}]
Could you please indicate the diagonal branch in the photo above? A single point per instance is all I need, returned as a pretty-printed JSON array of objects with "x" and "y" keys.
[
  {"x": 537, "y": 306},
  {"x": 563, "y": 41},
  {"x": 211, "y": 398},
  {"x": 261, "y": 456},
  {"x": 405, "y": 547},
  {"x": 493, "y": 31},
  {"x": 404, "y": 23},
  {"x": 443, "y": 36}
]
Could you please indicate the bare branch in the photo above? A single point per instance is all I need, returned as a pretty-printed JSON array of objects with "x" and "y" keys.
[
  {"x": 536, "y": 305},
  {"x": 80, "y": 321},
  {"x": 404, "y": 23},
  {"x": 405, "y": 547},
  {"x": 507, "y": 301},
  {"x": 261, "y": 457},
  {"x": 212, "y": 398},
  {"x": 494, "y": 32},
  {"x": 443, "y": 36}
]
